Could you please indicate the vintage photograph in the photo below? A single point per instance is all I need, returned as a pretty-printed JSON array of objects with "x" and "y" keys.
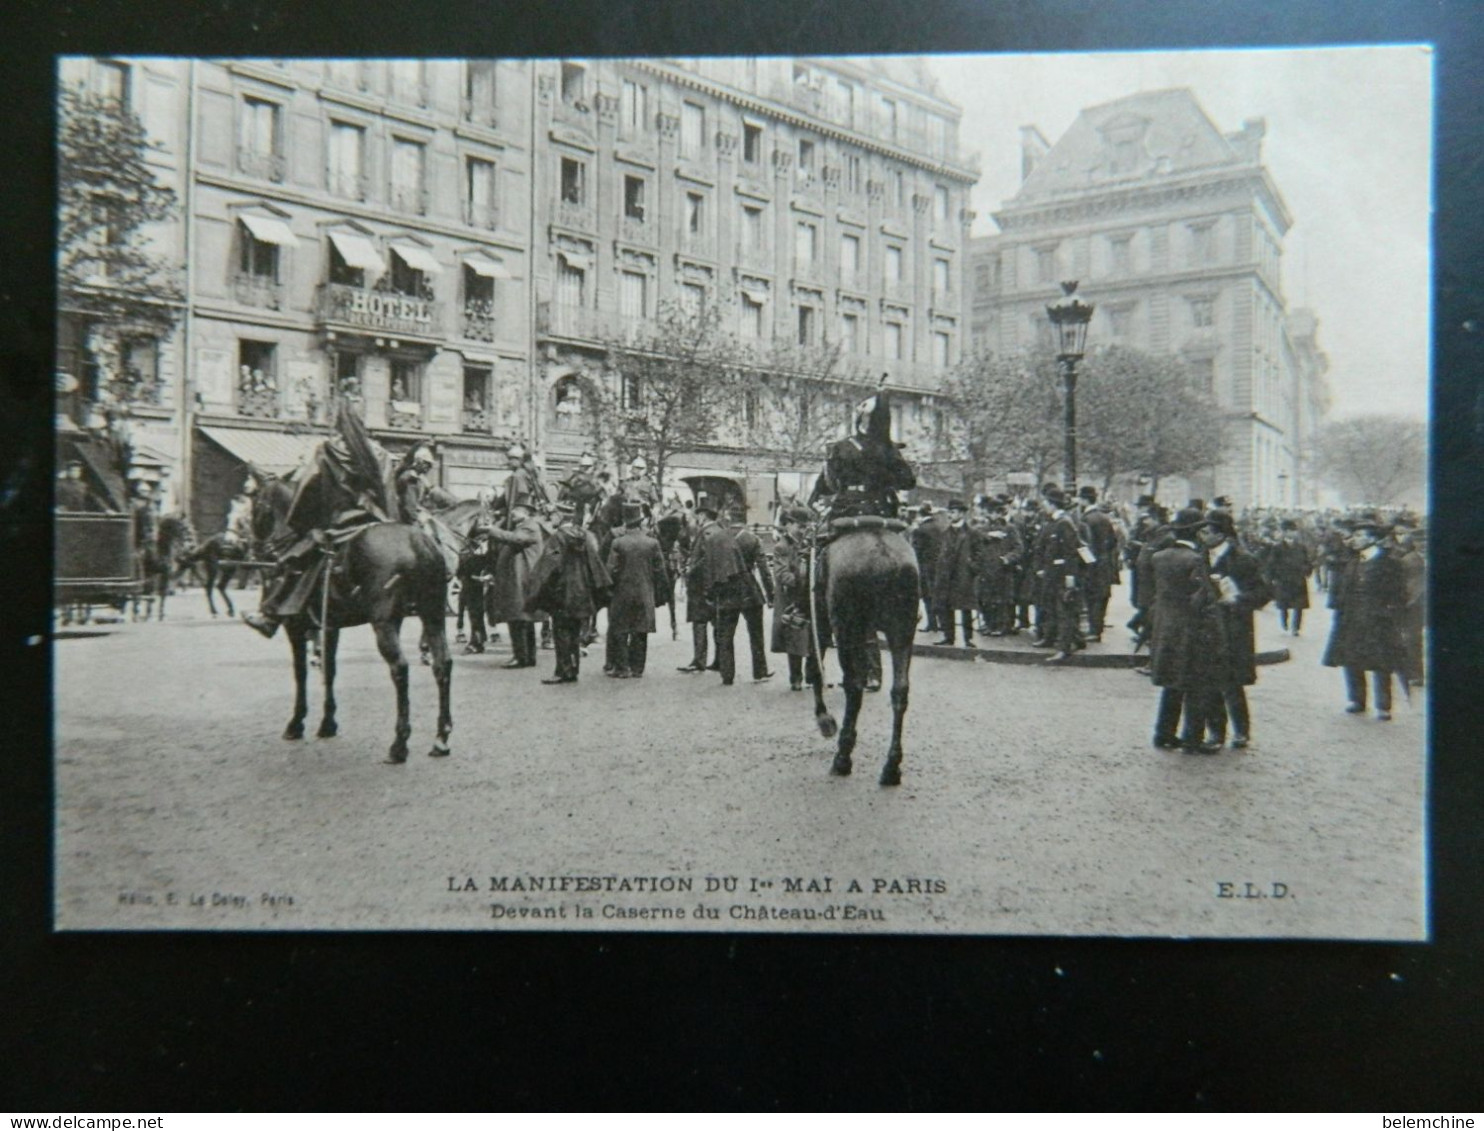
[{"x": 948, "y": 494}]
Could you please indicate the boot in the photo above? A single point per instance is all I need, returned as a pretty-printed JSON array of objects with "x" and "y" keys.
[{"x": 263, "y": 623}]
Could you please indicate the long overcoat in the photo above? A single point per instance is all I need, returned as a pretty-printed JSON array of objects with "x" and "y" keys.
[
  {"x": 1366, "y": 631},
  {"x": 515, "y": 553},
  {"x": 1182, "y": 603},
  {"x": 955, "y": 586},
  {"x": 713, "y": 576},
  {"x": 759, "y": 580},
  {"x": 637, "y": 566},
  {"x": 570, "y": 579},
  {"x": 791, "y": 604},
  {"x": 1236, "y": 663},
  {"x": 1288, "y": 566},
  {"x": 927, "y": 542},
  {"x": 999, "y": 552},
  {"x": 1102, "y": 540}
]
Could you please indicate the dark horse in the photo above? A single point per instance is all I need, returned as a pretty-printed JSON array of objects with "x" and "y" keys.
[
  {"x": 218, "y": 559},
  {"x": 159, "y": 563},
  {"x": 872, "y": 586},
  {"x": 389, "y": 571}
]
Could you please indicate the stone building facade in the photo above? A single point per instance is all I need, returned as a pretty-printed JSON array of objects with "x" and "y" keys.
[{"x": 1175, "y": 231}]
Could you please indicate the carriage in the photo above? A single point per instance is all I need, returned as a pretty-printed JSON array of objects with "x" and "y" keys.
[{"x": 95, "y": 559}]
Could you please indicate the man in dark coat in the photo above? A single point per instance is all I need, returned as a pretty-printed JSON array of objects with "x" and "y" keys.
[
  {"x": 1414, "y": 612},
  {"x": 1101, "y": 575},
  {"x": 1182, "y": 611},
  {"x": 507, "y": 597},
  {"x": 999, "y": 551},
  {"x": 862, "y": 474},
  {"x": 1238, "y": 578},
  {"x": 791, "y": 593},
  {"x": 716, "y": 578},
  {"x": 1287, "y": 564},
  {"x": 759, "y": 592},
  {"x": 570, "y": 583},
  {"x": 582, "y": 488},
  {"x": 927, "y": 543},
  {"x": 1059, "y": 568},
  {"x": 1366, "y": 633},
  {"x": 640, "y": 582},
  {"x": 955, "y": 584},
  {"x": 523, "y": 486}
]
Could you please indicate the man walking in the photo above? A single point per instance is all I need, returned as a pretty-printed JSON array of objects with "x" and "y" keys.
[
  {"x": 1102, "y": 574},
  {"x": 1366, "y": 634},
  {"x": 759, "y": 592},
  {"x": 637, "y": 568},
  {"x": 715, "y": 578},
  {"x": 1288, "y": 567},
  {"x": 1182, "y": 604},
  {"x": 1239, "y": 581}
]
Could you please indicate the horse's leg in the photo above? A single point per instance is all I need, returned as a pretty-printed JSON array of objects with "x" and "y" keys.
[
  {"x": 389, "y": 644},
  {"x": 327, "y": 726},
  {"x": 295, "y": 729},
  {"x": 853, "y": 663},
  {"x": 901, "y": 663},
  {"x": 822, "y": 717},
  {"x": 226, "y": 575},
  {"x": 210, "y": 567},
  {"x": 435, "y": 632}
]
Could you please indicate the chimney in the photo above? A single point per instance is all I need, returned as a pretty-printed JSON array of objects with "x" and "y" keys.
[
  {"x": 1248, "y": 140},
  {"x": 1032, "y": 148}
]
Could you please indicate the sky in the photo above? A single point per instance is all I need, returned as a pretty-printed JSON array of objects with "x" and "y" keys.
[{"x": 1349, "y": 144}]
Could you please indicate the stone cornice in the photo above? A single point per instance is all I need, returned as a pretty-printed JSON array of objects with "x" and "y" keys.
[{"x": 1147, "y": 196}]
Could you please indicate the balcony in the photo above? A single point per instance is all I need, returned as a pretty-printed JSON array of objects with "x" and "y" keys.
[
  {"x": 261, "y": 291},
  {"x": 263, "y": 166},
  {"x": 347, "y": 186},
  {"x": 912, "y": 374},
  {"x": 381, "y": 312},
  {"x": 410, "y": 198},
  {"x": 485, "y": 216},
  {"x": 476, "y": 420},
  {"x": 586, "y": 324},
  {"x": 404, "y": 414},
  {"x": 479, "y": 320},
  {"x": 578, "y": 217},
  {"x": 259, "y": 398}
]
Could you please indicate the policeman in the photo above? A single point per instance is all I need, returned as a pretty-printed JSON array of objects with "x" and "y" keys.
[{"x": 863, "y": 473}]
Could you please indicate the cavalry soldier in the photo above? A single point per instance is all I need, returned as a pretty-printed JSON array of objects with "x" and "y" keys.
[
  {"x": 523, "y": 486},
  {"x": 413, "y": 486},
  {"x": 863, "y": 473},
  {"x": 581, "y": 487},
  {"x": 640, "y": 582},
  {"x": 639, "y": 488}
]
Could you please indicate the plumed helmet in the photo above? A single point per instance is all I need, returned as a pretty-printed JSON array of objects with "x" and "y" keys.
[
  {"x": 863, "y": 415},
  {"x": 422, "y": 456},
  {"x": 516, "y": 451}
]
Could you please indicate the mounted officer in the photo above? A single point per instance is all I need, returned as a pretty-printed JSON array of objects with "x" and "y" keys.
[{"x": 863, "y": 473}]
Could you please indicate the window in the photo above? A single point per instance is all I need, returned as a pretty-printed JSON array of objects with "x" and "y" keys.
[
  {"x": 574, "y": 177},
  {"x": 692, "y": 299},
  {"x": 893, "y": 263},
  {"x": 806, "y": 243},
  {"x": 752, "y": 227},
  {"x": 633, "y": 198},
  {"x": 258, "y": 140},
  {"x": 806, "y": 325},
  {"x": 850, "y": 332},
  {"x": 476, "y": 414},
  {"x": 405, "y": 279},
  {"x": 406, "y": 389},
  {"x": 940, "y": 278},
  {"x": 347, "y": 160},
  {"x": 855, "y": 176},
  {"x": 889, "y": 119},
  {"x": 633, "y": 110},
  {"x": 1203, "y": 372},
  {"x": 1202, "y": 312},
  {"x": 479, "y": 293},
  {"x": 409, "y": 81},
  {"x": 941, "y": 346},
  {"x": 257, "y": 378},
  {"x": 111, "y": 82},
  {"x": 347, "y": 373},
  {"x": 752, "y": 317},
  {"x": 1121, "y": 254},
  {"x": 141, "y": 357},
  {"x": 692, "y": 129},
  {"x": 630, "y": 393},
  {"x": 845, "y": 102},
  {"x": 695, "y": 213},
  {"x": 409, "y": 171},
  {"x": 899, "y": 189},
  {"x": 574, "y": 85},
  {"x": 1045, "y": 264},
  {"x": 806, "y": 157},
  {"x": 1125, "y": 155},
  {"x": 752, "y": 143},
  {"x": 894, "y": 341},
  {"x": 1119, "y": 319},
  {"x": 633, "y": 294},
  {"x": 850, "y": 254},
  {"x": 571, "y": 283},
  {"x": 940, "y": 203},
  {"x": 479, "y": 193},
  {"x": 259, "y": 257},
  {"x": 1203, "y": 242},
  {"x": 479, "y": 90}
]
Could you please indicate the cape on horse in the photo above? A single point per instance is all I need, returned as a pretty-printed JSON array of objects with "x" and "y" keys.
[
  {"x": 871, "y": 586},
  {"x": 389, "y": 571}
]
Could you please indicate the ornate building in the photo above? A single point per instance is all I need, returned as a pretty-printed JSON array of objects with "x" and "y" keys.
[{"x": 1175, "y": 231}]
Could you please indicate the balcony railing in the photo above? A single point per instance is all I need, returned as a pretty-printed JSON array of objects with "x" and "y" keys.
[
  {"x": 262, "y": 401},
  {"x": 476, "y": 420},
  {"x": 587, "y": 324},
  {"x": 347, "y": 186},
  {"x": 481, "y": 215},
  {"x": 580, "y": 217},
  {"x": 917, "y": 374},
  {"x": 479, "y": 321},
  {"x": 404, "y": 414},
  {"x": 263, "y": 166},
  {"x": 384, "y": 311},
  {"x": 258, "y": 290},
  {"x": 410, "y": 198}
]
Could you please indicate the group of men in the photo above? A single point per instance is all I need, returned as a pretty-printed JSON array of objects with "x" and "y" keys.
[{"x": 1058, "y": 557}]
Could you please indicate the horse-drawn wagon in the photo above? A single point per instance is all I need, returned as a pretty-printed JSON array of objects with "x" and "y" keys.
[{"x": 94, "y": 560}]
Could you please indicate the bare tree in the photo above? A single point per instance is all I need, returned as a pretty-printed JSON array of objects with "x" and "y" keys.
[
  {"x": 1008, "y": 408},
  {"x": 800, "y": 399},
  {"x": 1376, "y": 459}
]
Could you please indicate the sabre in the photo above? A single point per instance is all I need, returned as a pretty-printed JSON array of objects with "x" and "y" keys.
[{"x": 813, "y": 607}]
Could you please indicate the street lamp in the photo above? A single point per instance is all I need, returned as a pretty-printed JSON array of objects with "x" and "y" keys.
[{"x": 1069, "y": 317}]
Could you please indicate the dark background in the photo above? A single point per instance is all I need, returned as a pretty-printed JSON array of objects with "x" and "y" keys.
[{"x": 186, "y": 1021}]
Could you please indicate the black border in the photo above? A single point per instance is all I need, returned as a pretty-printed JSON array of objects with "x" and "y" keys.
[{"x": 328, "y": 1021}]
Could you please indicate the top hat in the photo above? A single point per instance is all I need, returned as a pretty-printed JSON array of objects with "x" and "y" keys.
[
  {"x": 1188, "y": 518},
  {"x": 1223, "y": 522},
  {"x": 1371, "y": 521},
  {"x": 633, "y": 512},
  {"x": 1054, "y": 495},
  {"x": 1089, "y": 493}
]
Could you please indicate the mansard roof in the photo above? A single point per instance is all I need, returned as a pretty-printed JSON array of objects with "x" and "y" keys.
[{"x": 1142, "y": 138}]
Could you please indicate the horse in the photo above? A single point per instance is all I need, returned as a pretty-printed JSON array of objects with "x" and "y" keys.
[
  {"x": 390, "y": 571},
  {"x": 158, "y": 564},
  {"x": 871, "y": 585},
  {"x": 218, "y": 559}
]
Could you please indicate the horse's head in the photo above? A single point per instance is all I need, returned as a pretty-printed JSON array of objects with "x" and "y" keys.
[{"x": 270, "y": 504}]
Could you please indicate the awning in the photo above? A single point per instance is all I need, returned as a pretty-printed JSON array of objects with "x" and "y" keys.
[
  {"x": 142, "y": 455},
  {"x": 486, "y": 267},
  {"x": 99, "y": 459},
  {"x": 273, "y": 452},
  {"x": 358, "y": 252},
  {"x": 418, "y": 258},
  {"x": 577, "y": 261},
  {"x": 269, "y": 230}
]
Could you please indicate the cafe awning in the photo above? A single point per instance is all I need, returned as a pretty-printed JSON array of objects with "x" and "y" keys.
[
  {"x": 269, "y": 230},
  {"x": 358, "y": 252},
  {"x": 273, "y": 452},
  {"x": 418, "y": 258}
]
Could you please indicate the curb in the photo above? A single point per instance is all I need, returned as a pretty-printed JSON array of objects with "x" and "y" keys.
[{"x": 1126, "y": 660}]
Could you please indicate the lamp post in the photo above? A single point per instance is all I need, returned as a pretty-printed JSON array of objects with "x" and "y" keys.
[{"x": 1069, "y": 317}]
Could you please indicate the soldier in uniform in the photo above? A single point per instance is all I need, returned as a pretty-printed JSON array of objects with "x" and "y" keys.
[
  {"x": 639, "y": 488},
  {"x": 582, "y": 488},
  {"x": 640, "y": 582},
  {"x": 863, "y": 473},
  {"x": 412, "y": 485},
  {"x": 522, "y": 487}
]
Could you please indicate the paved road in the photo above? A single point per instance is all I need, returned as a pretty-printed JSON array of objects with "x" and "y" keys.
[{"x": 1032, "y": 801}]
